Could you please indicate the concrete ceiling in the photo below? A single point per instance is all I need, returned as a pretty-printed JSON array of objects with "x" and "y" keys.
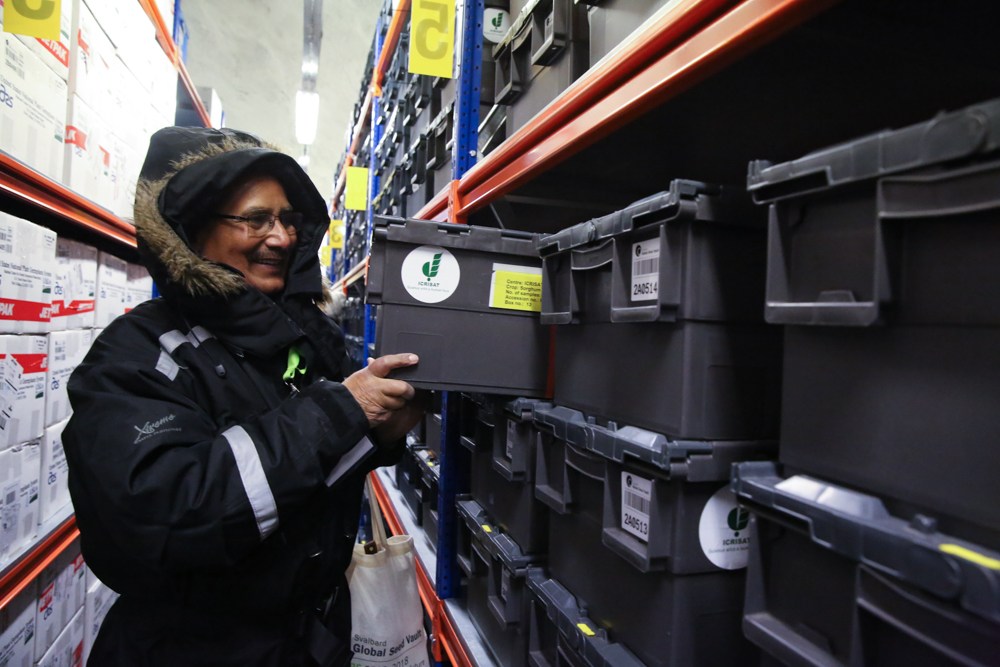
[{"x": 250, "y": 52}]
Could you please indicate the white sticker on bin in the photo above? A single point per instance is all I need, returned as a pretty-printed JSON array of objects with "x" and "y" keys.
[
  {"x": 637, "y": 493},
  {"x": 645, "y": 270},
  {"x": 723, "y": 532},
  {"x": 430, "y": 274}
]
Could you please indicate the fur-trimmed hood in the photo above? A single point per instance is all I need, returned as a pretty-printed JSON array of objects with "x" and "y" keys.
[{"x": 186, "y": 173}]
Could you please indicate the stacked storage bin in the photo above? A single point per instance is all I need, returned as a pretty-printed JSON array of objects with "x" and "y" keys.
[
  {"x": 665, "y": 374},
  {"x": 544, "y": 51},
  {"x": 882, "y": 269}
]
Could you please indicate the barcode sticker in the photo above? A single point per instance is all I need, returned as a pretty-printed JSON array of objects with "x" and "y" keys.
[
  {"x": 637, "y": 493},
  {"x": 645, "y": 270}
]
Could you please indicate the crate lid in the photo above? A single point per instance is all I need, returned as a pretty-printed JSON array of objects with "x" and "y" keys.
[
  {"x": 524, "y": 408},
  {"x": 473, "y": 514},
  {"x": 860, "y": 527},
  {"x": 974, "y": 130},
  {"x": 562, "y": 422},
  {"x": 452, "y": 235},
  {"x": 506, "y": 550},
  {"x": 684, "y": 201}
]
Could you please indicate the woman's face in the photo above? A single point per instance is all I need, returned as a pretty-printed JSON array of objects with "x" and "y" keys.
[{"x": 264, "y": 259}]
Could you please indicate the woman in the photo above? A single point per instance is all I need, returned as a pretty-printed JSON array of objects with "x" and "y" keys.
[{"x": 216, "y": 457}]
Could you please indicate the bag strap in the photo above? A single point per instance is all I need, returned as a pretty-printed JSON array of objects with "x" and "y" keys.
[{"x": 378, "y": 524}]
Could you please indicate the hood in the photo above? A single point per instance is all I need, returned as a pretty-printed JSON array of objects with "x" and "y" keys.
[{"x": 188, "y": 171}]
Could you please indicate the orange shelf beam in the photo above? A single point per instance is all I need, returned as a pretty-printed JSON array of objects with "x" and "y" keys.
[
  {"x": 446, "y": 634},
  {"x": 389, "y": 45},
  {"x": 164, "y": 35},
  {"x": 25, "y": 570},
  {"x": 24, "y": 183},
  {"x": 684, "y": 46}
]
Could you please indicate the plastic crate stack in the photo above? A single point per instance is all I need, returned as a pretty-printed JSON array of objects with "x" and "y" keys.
[{"x": 876, "y": 540}]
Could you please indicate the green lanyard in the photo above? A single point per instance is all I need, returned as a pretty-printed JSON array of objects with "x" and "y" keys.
[{"x": 296, "y": 365}]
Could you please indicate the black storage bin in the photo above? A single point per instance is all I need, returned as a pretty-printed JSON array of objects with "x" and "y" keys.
[
  {"x": 499, "y": 609},
  {"x": 409, "y": 483},
  {"x": 503, "y": 470},
  {"x": 432, "y": 429},
  {"x": 662, "y": 304},
  {"x": 614, "y": 21},
  {"x": 882, "y": 259},
  {"x": 430, "y": 474},
  {"x": 543, "y": 53},
  {"x": 464, "y": 299},
  {"x": 834, "y": 578},
  {"x": 440, "y": 144},
  {"x": 663, "y": 617},
  {"x": 561, "y": 633}
]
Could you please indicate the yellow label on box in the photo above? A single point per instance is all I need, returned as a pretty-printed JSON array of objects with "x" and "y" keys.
[
  {"x": 585, "y": 629},
  {"x": 971, "y": 556},
  {"x": 324, "y": 256},
  {"x": 487, "y": 529},
  {"x": 35, "y": 18},
  {"x": 516, "y": 291},
  {"x": 336, "y": 234},
  {"x": 356, "y": 189},
  {"x": 432, "y": 37}
]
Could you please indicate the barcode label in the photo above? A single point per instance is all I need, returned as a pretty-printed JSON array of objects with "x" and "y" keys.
[
  {"x": 637, "y": 493},
  {"x": 7, "y": 239},
  {"x": 645, "y": 270}
]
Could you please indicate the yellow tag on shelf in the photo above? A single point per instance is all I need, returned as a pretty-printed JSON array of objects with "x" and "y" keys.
[
  {"x": 970, "y": 555},
  {"x": 336, "y": 234},
  {"x": 35, "y": 18},
  {"x": 487, "y": 529},
  {"x": 516, "y": 291},
  {"x": 432, "y": 37},
  {"x": 324, "y": 256},
  {"x": 356, "y": 189},
  {"x": 585, "y": 629}
]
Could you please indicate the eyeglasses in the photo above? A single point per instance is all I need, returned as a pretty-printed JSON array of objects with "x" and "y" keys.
[{"x": 261, "y": 224}]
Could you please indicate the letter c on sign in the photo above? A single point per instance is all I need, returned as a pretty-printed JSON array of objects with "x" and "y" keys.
[{"x": 43, "y": 11}]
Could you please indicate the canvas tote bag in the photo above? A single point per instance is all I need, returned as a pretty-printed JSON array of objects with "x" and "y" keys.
[{"x": 387, "y": 619}]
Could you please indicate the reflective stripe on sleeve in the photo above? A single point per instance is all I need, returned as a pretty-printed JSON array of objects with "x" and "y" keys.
[
  {"x": 171, "y": 340},
  {"x": 255, "y": 484},
  {"x": 166, "y": 365}
]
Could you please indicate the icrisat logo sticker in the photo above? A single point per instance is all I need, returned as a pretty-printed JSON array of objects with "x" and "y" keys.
[{"x": 430, "y": 274}]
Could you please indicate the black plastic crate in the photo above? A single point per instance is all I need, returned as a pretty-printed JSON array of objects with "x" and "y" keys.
[
  {"x": 429, "y": 480},
  {"x": 440, "y": 146},
  {"x": 498, "y": 603},
  {"x": 543, "y": 53},
  {"x": 626, "y": 584},
  {"x": 614, "y": 21},
  {"x": 882, "y": 259},
  {"x": 560, "y": 632},
  {"x": 464, "y": 299},
  {"x": 834, "y": 578},
  {"x": 503, "y": 470},
  {"x": 670, "y": 288},
  {"x": 409, "y": 483},
  {"x": 432, "y": 429}
]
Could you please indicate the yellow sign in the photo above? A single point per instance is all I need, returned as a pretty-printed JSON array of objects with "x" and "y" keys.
[
  {"x": 335, "y": 237},
  {"x": 35, "y": 18},
  {"x": 356, "y": 189},
  {"x": 516, "y": 291},
  {"x": 432, "y": 37},
  {"x": 324, "y": 256}
]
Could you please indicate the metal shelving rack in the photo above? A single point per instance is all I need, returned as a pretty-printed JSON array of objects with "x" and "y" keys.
[{"x": 52, "y": 204}]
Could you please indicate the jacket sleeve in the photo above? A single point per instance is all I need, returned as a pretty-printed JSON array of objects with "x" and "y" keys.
[{"x": 165, "y": 482}]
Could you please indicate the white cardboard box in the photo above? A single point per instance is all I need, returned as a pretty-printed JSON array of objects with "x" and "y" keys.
[
  {"x": 66, "y": 350},
  {"x": 62, "y": 589},
  {"x": 74, "y": 292},
  {"x": 54, "y": 482},
  {"x": 17, "y": 629},
  {"x": 112, "y": 281},
  {"x": 23, "y": 367},
  {"x": 98, "y": 603},
  {"x": 54, "y": 53},
  {"x": 88, "y": 154},
  {"x": 19, "y": 468},
  {"x": 91, "y": 55},
  {"x": 125, "y": 166},
  {"x": 67, "y": 649},
  {"x": 32, "y": 109},
  {"x": 27, "y": 272},
  {"x": 140, "y": 286}
]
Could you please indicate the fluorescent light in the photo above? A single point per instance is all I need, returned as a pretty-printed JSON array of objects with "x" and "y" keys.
[{"x": 306, "y": 116}]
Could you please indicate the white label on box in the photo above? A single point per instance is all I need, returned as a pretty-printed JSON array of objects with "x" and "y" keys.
[
  {"x": 430, "y": 274},
  {"x": 54, "y": 471},
  {"x": 645, "y": 270},
  {"x": 496, "y": 23},
  {"x": 637, "y": 493},
  {"x": 10, "y": 515},
  {"x": 17, "y": 629},
  {"x": 722, "y": 531}
]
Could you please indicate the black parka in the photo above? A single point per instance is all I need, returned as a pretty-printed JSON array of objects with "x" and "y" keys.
[{"x": 220, "y": 501}]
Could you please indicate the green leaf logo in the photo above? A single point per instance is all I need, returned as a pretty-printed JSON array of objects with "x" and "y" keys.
[
  {"x": 497, "y": 21},
  {"x": 430, "y": 269},
  {"x": 738, "y": 518}
]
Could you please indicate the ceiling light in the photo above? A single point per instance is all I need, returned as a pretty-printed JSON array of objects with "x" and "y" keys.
[{"x": 306, "y": 116}]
